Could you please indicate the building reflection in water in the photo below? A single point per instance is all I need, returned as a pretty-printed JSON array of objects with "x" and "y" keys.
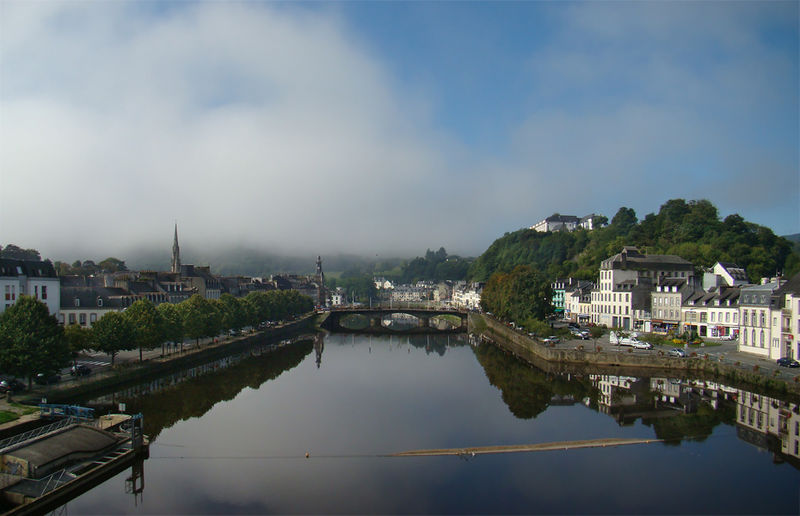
[{"x": 769, "y": 423}]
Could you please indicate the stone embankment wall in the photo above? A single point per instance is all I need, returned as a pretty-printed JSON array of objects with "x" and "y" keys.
[{"x": 624, "y": 362}]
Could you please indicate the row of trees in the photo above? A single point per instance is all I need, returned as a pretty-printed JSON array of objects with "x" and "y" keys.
[{"x": 32, "y": 341}]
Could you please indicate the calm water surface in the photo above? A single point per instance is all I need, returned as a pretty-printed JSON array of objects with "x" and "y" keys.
[{"x": 233, "y": 439}]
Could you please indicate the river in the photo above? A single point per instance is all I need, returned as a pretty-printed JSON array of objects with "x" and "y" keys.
[{"x": 231, "y": 437}]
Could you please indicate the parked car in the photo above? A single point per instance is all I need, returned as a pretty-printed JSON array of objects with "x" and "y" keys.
[
  {"x": 574, "y": 325},
  {"x": 552, "y": 339},
  {"x": 12, "y": 385},
  {"x": 80, "y": 370},
  {"x": 626, "y": 340},
  {"x": 638, "y": 344},
  {"x": 43, "y": 379},
  {"x": 788, "y": 362},
  {"x": 677, "y": 352}
]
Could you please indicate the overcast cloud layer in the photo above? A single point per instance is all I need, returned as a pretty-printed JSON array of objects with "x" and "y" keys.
[{"x": 300, "y": 127}]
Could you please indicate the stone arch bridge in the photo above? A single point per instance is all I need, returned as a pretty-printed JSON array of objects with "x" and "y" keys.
[{"x": 377, "y": 315}]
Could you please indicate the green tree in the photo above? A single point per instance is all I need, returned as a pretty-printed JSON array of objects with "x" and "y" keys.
[
  {"x": 111, "y": 334},
  {"x": 14, "y": 252},
  {"x": 596, "y": 332},
  {"x": 78, "y": 339},
  {"x": 112, "y": 264},
  {"x": 146, "y": 323},
  {"x": 234, "y": 314},
  {"x": 171, "y": 324},
  {"x": 31, "y": 340},
  {"x": 199, "y": 317},
  {"x": 524, "y": 293}
]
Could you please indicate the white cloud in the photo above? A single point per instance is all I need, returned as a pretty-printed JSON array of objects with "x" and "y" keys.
[
  {"x": 274, "y": 125},
  {"x": 243, "y": 122}
]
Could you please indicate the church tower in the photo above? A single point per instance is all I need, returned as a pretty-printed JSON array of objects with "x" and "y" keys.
[
  {"x": 176, "y": 253},
  {"x": 321, "y": 298}
]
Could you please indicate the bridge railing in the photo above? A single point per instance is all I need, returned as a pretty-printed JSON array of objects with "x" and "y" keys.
[{"x": 399, "y": 308}]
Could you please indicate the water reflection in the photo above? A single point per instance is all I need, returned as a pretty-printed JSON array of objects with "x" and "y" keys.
[
  {"x": 193, "y": 391},
  {"x": 676, "y": 409},
  {"x": 373, "y": 395},
  {"x": 526, "y": 390}
]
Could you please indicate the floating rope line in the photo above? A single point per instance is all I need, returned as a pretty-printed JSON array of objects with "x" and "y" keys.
[{"x": 460, "y": 452}]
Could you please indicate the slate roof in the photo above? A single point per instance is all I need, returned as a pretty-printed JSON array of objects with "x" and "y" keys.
[
  {"x": 792, "y": 286},
  {"x": 631, "y": 258},
  {"x": 73, "y": 280},
  {"x": 29, "y": 268},
  {"x": 562, "y": 218},
  {"x": 111, "y": 297}
]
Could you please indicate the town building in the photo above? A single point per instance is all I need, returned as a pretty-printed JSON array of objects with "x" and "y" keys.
[
  {"x": 32, "y": 278},
  {"x": 338, "y": 297},
  {"x": 383, "y": 284},
  {"x": 85, "y": 305},
  {"x": 201, "y": 280},
  {"x": 627, "y": 279},
  {"x": 724, "y": 274},
  {"x": 578, "y": 302},
  {"x": 758, "y": 333},
  {"x": 467, "y": 295},
  {"x": 558, "y": 222},
  {"x": 712, "y": 314},
  {"x": 666, "y": 302},
  {"x": 788, "y": 318}
]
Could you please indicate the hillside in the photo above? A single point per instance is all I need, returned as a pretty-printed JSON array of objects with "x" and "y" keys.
[{"x": 692, "y": 230}]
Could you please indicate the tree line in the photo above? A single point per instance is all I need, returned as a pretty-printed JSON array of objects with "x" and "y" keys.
[{"x": 32, "y": 341}]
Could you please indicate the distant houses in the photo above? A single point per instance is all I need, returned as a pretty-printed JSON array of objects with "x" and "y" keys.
[
  {"x": 558, "y": 222},
  {"x": 83, "y": 300}
]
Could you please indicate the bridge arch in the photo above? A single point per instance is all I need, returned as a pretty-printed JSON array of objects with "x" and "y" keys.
[{"x": 376, "y": 316}]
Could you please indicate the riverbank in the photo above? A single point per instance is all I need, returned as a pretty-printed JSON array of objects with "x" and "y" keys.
[
  {"x": 627, "y": 362},
  {"x": 154, "y": 364}
]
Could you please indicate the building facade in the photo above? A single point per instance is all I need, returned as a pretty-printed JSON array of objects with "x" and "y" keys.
[
  {"x": 623, "y": 296},
  {"x": 29, "y": 278}
]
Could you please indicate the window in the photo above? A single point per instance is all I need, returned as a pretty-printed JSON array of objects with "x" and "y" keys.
[
  {"x": 762, "y": 339},
  {"x": 735, "y": 316},
  {"x": 744, "y": 317},
  {"x": 61, "y": 318},
  {"x": 8, "y": 292},
  {"x": 744, "y": 338},
  {"x": 82, "y": 319},
  {"x": 712, "y": 316},
  {"x": 727, "y": 317},
  {"x": 44, "y": 291},
  {"x": 36, "y": 291},
  {"x": 92, "y": 318},
  {"x": 72, "y": 318},
  {"x": 763, "y": 319},
  {"x": 753, "y": 337},
  {"x": 797, "y": 428}
]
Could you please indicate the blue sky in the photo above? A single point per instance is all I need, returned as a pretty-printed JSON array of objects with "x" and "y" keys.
[{"x": 386, "y": 127}]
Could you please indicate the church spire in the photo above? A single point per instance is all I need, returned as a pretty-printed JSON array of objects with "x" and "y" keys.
[{"x": 176, "y": 253}]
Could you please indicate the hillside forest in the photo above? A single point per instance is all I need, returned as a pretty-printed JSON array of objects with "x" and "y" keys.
[{"x": 692, "y": 230}]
